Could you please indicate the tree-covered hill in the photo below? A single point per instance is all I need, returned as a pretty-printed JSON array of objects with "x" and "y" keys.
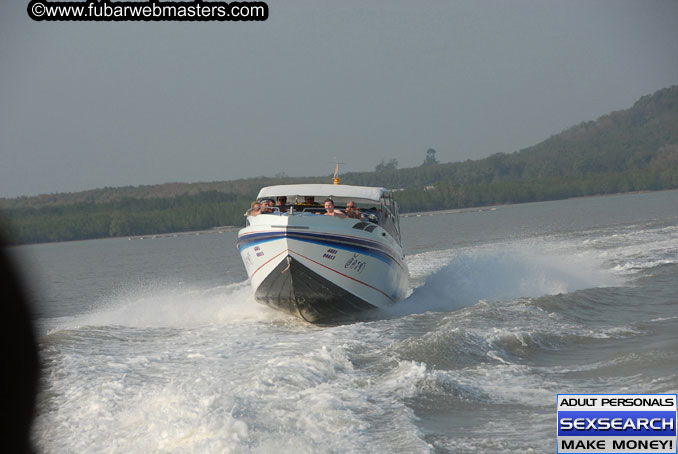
[
  {"x": 629, "y": 150},
  {"x": 640, "y": 138}
]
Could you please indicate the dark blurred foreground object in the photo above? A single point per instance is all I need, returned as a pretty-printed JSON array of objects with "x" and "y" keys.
[{"x": 19, "y": 366}]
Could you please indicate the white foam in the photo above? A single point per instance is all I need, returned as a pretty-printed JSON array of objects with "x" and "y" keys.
[
  {"x": 503, "y": 271},
  {"x": 496, "y": 383},
  {"x": 632, "y": 249},
  {"x": 166, "y": 367},
  {"x": 240, "y": 387},
  {"x": 115, "y": 416},
  {"x": 172, "y": 306}
]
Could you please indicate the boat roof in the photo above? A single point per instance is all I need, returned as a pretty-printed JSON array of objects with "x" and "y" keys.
[{"x": 323, "y": 190}]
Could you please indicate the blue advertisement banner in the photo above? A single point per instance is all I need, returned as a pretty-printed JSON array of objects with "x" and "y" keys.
[{"x": 617, "y": 423}]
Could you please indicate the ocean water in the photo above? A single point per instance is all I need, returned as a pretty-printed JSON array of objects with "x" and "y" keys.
[{"x": 157, "y": 346}]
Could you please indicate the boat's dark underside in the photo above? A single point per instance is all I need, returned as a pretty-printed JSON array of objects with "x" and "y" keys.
[{"x": 294, "y": 288}]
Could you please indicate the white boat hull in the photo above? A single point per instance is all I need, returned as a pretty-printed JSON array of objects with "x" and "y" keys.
[{"x": 322, "y": 268}]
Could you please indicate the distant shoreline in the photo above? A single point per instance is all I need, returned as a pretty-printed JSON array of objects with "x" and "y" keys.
[
  {"x": 213, "y": 230},
  {"x": 232, "y": 228},
  {"x": 495, "y": 207}
]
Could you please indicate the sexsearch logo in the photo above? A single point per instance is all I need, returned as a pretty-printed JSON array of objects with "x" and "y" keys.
[{"x": 612, "y": 423}]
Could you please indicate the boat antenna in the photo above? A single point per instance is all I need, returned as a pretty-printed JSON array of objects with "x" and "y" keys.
[{"x": 336, "y": 178}]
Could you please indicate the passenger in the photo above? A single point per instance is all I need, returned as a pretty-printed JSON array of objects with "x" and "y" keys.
[
  {"x": 353, "y": 212},
  {"x": 309, "y": 200},
  {"x": 267, "y": 206},
  {"x": 282, "y": 204},
  {"x": 331, "y": 211},
  {"x": 308, "y": 205},
  {"x": 255, "y": 209}
]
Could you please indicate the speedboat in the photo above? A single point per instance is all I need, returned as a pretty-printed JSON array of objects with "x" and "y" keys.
[{"x": 325, "y": 268}]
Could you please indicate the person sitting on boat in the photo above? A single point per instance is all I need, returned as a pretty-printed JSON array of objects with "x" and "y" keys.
[
  {"x": 267, "y": 206},
  {"x": 331, "y": 211},
  {"x": 353, "y": 212},
  {"x": 282, "y": 203},
  {"x": 309, "y": 200},
  {"x": 255, "y": 208}
]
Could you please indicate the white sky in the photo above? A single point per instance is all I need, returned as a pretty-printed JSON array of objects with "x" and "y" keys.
[{"x": 86, "y": 105}]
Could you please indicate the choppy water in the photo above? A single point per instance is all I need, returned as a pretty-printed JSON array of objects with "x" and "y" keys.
[{"x": 156, "y": 346}]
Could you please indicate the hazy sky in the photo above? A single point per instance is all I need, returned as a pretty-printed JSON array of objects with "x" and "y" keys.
[{"x": 87, "y": 105}]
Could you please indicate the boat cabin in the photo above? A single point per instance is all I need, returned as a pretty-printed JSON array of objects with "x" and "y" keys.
[{"x": 376, "y": 205}]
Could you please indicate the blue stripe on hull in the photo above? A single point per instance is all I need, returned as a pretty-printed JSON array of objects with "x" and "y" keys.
[{"x": 355, "y": 245}]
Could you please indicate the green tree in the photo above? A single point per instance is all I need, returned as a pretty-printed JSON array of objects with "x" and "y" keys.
[
  {"x": 392, "y": 164},
  {"x": 430, "y": 158}
]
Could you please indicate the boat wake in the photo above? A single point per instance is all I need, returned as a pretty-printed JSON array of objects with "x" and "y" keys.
[
  {"x": 162, "y": 305},
  {"x": 499, "y": 273},
  {"x": 444, "y": 281},
  {"x": 491, "y": 331}
]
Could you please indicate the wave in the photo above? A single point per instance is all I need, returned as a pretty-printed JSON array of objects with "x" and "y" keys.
[
  {"x": 501, "y": 272},
  {"x": 442, "y": 280},
  {"x": 164, "y": 305}
]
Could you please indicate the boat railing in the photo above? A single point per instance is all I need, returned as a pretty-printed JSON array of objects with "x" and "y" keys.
[
  {"x": 366, "y": 215},
  {"x": 291, "y": 211},
  {"x": 275, "y": 210}
]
